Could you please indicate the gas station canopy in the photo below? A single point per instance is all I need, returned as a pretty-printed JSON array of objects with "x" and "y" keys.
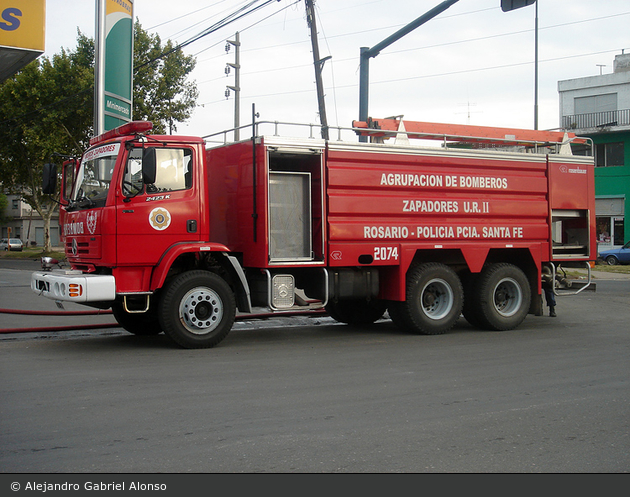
[{"x": 22, "y": 29}]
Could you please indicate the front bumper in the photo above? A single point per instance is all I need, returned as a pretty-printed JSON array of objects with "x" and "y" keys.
[{"x": 74, "y": 286}]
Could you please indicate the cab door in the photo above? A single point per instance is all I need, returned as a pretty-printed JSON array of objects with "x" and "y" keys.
[
  {"x": 68, "y": 177},
  {"x": 152, "y": 217}
]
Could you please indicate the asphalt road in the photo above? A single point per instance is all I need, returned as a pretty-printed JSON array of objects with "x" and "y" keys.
[{"x": 310, "y": 395}]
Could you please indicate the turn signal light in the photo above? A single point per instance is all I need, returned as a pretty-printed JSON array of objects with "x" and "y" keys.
[{"x": 75, "y": 290}]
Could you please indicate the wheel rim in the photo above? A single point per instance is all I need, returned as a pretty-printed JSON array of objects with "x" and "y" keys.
[
  {"x": 201, "y": 310},
  {"x": 508, "y": 297},
  {"x": 437, "y": 299}
]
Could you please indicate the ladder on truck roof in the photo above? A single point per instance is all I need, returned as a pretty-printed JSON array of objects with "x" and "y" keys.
[{"x": 466, "y": 134}]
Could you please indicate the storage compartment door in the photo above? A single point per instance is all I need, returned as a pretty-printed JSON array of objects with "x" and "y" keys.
[{"x": 290, "y": 236}]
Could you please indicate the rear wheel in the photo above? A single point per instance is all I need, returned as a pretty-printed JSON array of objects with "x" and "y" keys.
[
  {"x": 503, "y": 297},
  {"x": 611, "y": 260},
  {"x": 197, "y": 309},
  {"x": 433, "y": 302}
]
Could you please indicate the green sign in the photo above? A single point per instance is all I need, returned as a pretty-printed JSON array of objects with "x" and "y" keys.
[{"x": 114, "y": 72}]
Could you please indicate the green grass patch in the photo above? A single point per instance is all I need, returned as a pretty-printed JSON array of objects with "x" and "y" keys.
[
  {"x": 612, "y": 269},
  {"x": 32, "y": 253}
]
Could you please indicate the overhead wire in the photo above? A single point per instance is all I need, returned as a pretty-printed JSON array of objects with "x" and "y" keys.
[
  {"x": 236, "y": 15},
  {"x": 428, "y": 76},
  {"x": 185, "y": 15},
  {"x": 438, "y": 45}
]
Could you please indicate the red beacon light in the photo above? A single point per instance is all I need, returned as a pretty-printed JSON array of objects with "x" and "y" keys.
[{"x": 132, "y": 128}]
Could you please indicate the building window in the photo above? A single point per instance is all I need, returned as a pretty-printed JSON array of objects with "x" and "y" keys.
[
  {"x": 15, "y": 203},
  {"x": 610, "y": 230},
  {"x": 609, "y": 154},
  {"x": 595, "y": 104}
]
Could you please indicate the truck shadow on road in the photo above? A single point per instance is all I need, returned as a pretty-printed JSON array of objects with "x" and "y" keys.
[{"x": 322, "y": 333}]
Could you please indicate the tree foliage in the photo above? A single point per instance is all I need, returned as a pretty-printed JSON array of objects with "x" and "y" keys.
[
  {"x": 47, "y": 108},
  {"x": 44, "y": 109}
]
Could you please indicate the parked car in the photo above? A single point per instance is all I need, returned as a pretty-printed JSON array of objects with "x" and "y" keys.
[
  {"x": 616, "y": 256},
  {"x": 11, "y": 244}
]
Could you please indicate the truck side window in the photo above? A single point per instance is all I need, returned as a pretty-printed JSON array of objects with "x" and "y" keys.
[{"x": 173, "y": 171}]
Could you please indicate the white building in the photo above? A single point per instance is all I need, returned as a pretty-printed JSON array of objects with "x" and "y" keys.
[
  {"x": 26, "y": 224},
  {"x": 599, "y": 107}
]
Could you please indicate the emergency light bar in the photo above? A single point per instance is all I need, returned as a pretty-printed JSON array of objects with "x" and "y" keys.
[{"x": 134, "y": 127}]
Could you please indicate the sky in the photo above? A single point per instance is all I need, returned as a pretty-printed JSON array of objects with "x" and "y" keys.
[{"x": 472, "y": 64}]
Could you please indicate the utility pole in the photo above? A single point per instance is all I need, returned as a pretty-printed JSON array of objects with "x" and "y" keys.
[
  {"x": 237, "y": 83},
  {"x": 319, "y": 65}
]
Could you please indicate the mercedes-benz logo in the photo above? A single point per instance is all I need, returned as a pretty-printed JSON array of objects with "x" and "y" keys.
[{"x": 75, "y": 247}]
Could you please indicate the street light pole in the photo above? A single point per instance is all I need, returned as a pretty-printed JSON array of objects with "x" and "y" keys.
[{"x": 368, "y": 53}]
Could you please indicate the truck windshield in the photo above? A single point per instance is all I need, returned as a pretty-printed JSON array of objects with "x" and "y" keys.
[{"x": 95, "y": 176}]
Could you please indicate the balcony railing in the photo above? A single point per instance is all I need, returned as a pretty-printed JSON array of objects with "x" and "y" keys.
[{"x": 595, "y": 120}]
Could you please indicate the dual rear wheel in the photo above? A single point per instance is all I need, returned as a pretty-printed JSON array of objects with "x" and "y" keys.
[{"x": 497, "y": 299}]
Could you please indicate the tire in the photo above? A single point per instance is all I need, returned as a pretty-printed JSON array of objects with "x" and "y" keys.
[
  {"x": 356, "y": 312},
  {"x": 611, "y": 260},
  {"x": 434, "y": 300},
  {"x": 144, "y": 324},
  {"x": 197, "y": 309},
  {"x": 503, "y": 297}
]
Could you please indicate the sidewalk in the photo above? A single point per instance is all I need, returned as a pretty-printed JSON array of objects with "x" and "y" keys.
[{"x": 600, "y": 274}]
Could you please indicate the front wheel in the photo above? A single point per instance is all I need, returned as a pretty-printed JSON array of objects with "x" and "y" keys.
[
  {"x": 503, "y": 297},
  {"x": 197, "y": 310},
  {"x": 433, "y": 302}
]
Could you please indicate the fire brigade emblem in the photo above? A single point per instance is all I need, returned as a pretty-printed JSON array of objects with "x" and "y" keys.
[
  {"x": 159, "y": 219},
  {"x": 91, "y": 222}
]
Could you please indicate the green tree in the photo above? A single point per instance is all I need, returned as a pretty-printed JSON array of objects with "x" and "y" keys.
[
  {"x": 4, "y": 202},
  {"x": 47, "y": 108}
]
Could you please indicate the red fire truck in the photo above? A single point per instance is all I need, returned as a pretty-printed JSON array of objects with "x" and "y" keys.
[{"x": 177, "y": 236}]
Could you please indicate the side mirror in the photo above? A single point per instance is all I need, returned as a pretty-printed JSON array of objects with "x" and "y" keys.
[
  {"x": 49, "y": 179},
  {"x": 149, "y": 166}
]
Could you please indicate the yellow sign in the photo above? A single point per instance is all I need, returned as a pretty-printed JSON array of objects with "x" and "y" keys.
[{"x": 22, "y": 24}]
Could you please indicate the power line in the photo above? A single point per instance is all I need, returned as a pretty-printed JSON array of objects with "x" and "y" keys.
[
  {"x": 437, "y": 45},
  {"x": 426, "y": 47},
  {"x": 236, "y": 15},
  {"x": 428, "y": 76},
  {"x": 246, "y": 28},
  {"x": 186, "y": 15}
]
